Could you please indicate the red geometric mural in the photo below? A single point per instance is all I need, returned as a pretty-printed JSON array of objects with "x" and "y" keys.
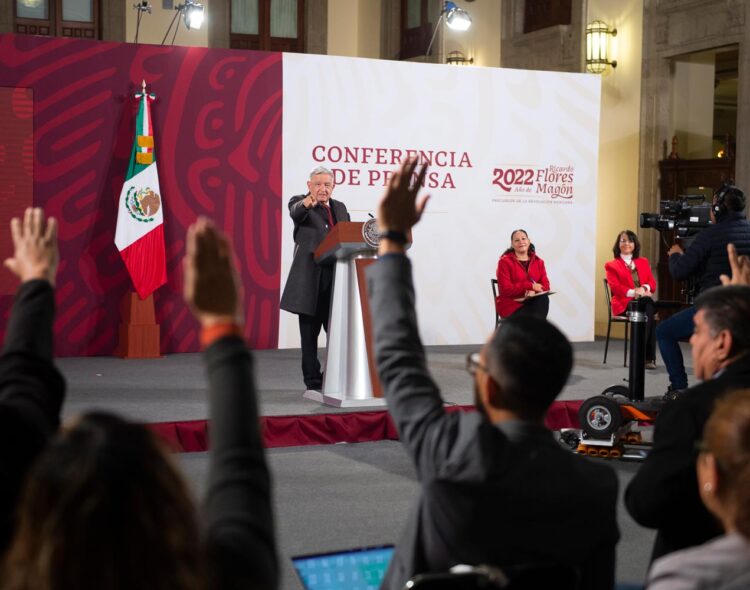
[{"x": 217, "y": 126}]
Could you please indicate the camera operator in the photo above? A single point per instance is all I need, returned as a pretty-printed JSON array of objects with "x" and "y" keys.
[{"x": 705, "y": 260}]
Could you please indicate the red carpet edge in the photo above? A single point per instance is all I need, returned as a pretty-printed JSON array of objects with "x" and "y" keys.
[{"x": 325, "y": 429}]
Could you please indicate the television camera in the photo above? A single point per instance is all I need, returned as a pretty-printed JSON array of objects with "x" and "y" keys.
[{"x": 686, "y": 216}]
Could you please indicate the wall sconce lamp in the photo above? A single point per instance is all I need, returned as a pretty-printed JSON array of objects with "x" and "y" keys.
[
  {"x": 457, "y": 58},
  {"x": 597, "y": 47},
  {"x": 192, "y": 14},
  {"x": 456, "y": 18}
]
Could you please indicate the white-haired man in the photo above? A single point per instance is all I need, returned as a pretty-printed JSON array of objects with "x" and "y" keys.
[{"x": 308, "y": 288}]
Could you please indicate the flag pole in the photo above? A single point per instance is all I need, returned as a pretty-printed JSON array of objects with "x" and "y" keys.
[{"x": 140, "y": 207}]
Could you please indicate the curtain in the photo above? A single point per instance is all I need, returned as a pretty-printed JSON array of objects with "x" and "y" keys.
[
  {"x": 413, "y": 14},
  {"x": 81, "y": 11},
  {"x": 284, "y": 18},
  {"x": 245, "y": 17},
  {"x": 32, "y": 9}
]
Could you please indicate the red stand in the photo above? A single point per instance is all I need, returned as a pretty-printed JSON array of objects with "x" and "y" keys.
[{"x": 139, "y": 332}]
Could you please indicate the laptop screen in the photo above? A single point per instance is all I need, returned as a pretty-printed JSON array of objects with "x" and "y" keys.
[{"x": 355, "y": 569}]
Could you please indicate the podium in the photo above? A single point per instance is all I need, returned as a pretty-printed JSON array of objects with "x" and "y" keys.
[{"x": 350, "y": 378}]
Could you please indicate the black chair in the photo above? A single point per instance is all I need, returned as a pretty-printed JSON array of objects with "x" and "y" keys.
[
  {"x": 614, "y": 318},
  {"x": 495, "y": 293}
]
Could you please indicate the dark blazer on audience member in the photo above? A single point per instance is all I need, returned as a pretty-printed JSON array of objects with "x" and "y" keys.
[
  {"x": 310, "y": 227},
  {"x": 31, "y": 393},
  {"x": 240, "y": 532},
  {"x": 495, "y": 494},
  {"x": 663, "y": 494}
]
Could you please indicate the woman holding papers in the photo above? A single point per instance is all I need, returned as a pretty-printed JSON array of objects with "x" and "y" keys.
[
  {"x": 521, "y": 279},
  {"x": 630, "y": 277}
]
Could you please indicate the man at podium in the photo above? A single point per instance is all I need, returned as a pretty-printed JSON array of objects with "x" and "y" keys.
[{"x": 308, "y": 288}]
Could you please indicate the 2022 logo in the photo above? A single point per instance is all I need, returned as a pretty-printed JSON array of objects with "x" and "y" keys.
[{"x": 506, "y": 178}]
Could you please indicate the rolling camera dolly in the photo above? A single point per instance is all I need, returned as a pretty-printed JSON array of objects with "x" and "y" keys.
[{"x": 611, "y": 422}]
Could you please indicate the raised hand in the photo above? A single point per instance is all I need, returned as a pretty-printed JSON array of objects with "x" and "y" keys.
[
  {"x": 399, "y": 209},
  {"x": 211, "y": 284},
  {"x": 740, "y": 266},
  {"x": 35, "y": 253}
]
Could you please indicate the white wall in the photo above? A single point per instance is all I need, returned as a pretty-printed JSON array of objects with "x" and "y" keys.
[
  {"x": 520, "y": 152},
  {"x": 354, "y": 28},
  {"x": 369, "y": 29}
]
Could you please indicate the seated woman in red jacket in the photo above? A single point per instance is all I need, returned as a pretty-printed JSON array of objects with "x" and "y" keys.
[
  {"x": 629, "y": 276},
  {"x": 520, "y": 277}
]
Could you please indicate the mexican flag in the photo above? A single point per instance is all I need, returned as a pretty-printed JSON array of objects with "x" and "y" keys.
[{"x": 140, "y": 222}]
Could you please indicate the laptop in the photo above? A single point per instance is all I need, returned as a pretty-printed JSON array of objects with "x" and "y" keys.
[{"x": 353, "y": 569}]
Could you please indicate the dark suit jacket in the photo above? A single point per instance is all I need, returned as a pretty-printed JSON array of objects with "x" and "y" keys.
[
  {"x": 240, "y": 533},
  {"x": 498, "y": 494},
  {"x": 310, "y": 227},
  {"x": 31, "y": 393},
  {"x": 663, "y": 494},
  {"x": 706, "y": 257}
]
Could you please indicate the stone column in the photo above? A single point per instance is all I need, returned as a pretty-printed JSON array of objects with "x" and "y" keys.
[
  {"x": 676, "y": 28},
  {"x": 6, "y": 17},
  {"x": 113, "y": 19}
]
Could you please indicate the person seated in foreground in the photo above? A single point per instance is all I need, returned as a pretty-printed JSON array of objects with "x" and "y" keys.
[
  {"x": 663, "y": 494},
  {"x": 104, "y": 505},
  {"x": 31, "y": 387},
  {"x": 496, "y": 488},
  {"x": 629, "y": 277},
  {"x": 521, "y": 277},
  {"x": 724, "y": 486}
]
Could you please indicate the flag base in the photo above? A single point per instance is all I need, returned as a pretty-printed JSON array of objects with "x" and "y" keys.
[{"x": 139, "y": 332}]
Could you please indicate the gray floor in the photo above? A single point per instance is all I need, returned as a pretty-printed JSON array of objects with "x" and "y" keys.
[
  {"x": 173, "y": 387},
  {"x": 337, "y": 496}
]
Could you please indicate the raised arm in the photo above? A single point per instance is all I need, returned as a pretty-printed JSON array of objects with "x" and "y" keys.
[
  {"x": 740, "y": 266},
  {"x": 31, "y": 387},
  {"x": 34, "y": 262},
  {"x": 299, "y": 207},
  {"x": 240, "y": 537},
  {"x": 413, "y": 397}
]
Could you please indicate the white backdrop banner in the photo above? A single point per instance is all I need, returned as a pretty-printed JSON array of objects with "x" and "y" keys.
[{"x": 507, "y": 149}]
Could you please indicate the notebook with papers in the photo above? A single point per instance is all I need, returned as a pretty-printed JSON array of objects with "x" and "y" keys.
[{"x": 353, "y": 569}]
